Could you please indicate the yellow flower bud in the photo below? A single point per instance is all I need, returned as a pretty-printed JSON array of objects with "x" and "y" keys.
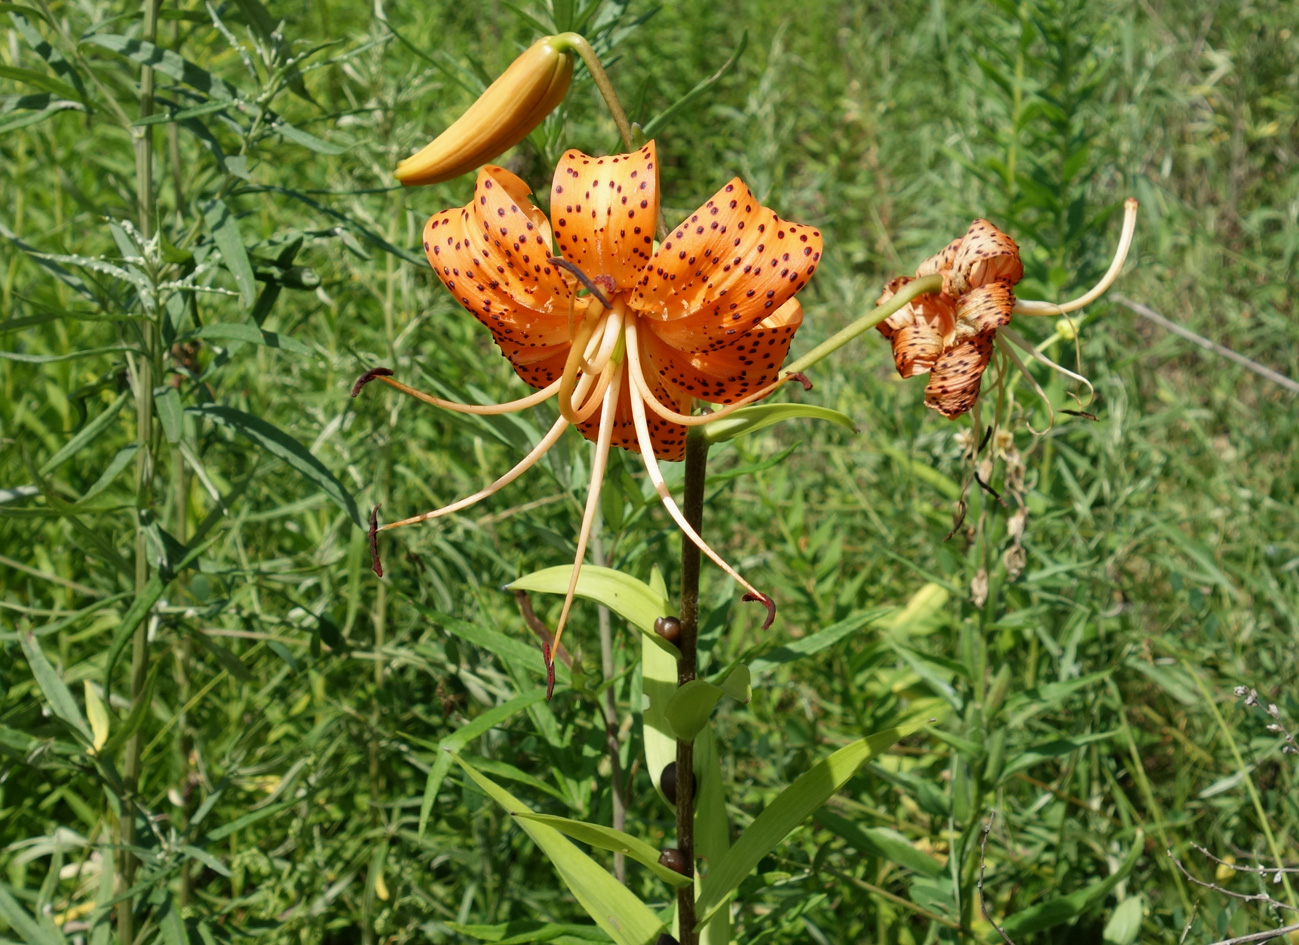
[{"x": 501, "y": 117}]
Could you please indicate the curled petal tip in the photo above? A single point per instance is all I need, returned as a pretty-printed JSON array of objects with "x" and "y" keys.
[
  {"x": 375, "y": 565},
  {"x": 368, "y": 376},
  {"x": 549, "y": 657},
  {"x": 802, "y": 379},
  {"x": 768, "y": 603}
]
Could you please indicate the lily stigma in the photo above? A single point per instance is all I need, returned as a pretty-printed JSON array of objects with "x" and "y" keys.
[
  {"x": 950, "y": 334},
  {"x": 626, "y": 336}
]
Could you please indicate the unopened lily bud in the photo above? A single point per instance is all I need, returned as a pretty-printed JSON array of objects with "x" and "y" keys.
[{"x": 502, "y": 116}]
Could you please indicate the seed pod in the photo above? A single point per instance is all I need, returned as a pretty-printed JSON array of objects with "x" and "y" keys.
[
  {"x": 502, "y": 116},
  {"x": 669, "y": 628},
  {"x": 668, "y": 783},
  {"x": 674, "y": 860}
]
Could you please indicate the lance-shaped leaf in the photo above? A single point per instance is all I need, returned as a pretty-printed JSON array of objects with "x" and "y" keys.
[
  {"x": 52, "y": 686},
  {"x": 658, "y": 683},
  {"x": 691, "y": 705},
  {"x": 632, "y": 600},
  {"x": 613, "y": 906},
  {"x": 794, "y": 805},
  {"x": 606, "y": 838}
]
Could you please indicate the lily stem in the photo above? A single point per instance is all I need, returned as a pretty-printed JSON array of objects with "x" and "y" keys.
[
  {"x": 687, "y": 666},
  {"x": 866, "y": 322},
  {"x": 579, "y": 43}
]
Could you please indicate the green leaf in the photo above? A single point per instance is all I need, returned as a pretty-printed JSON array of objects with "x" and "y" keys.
[
  {"x": 658, "y": 684},
  {"x": 308, "y": 141},
  {"x": 52, "y": 686},
  {"x": 39, "y": 79},
  {"x": 691, "y": 705},
  {"x": 98, "y": 716},
  {"x": 888, "y": 845},
  {"x": 224, "y": 228},
  {"x": 278, "y": 443},
  {"x": 164, "y": 61},
  {"x": 712, "y": 829},
  {"x": 632, "y": 600},
  {"x": 794, "y": 805},
  {"x": 606, "y": 838},
  {"x": 523, "y": 932},
  {"x": 166, "y": 403},
  {"x": 89, "y": 434},
  {"x": 235, "y": 331},
  {"x": 1124, "y": 925},
  {"x": 822, "y": 639},
  {"x": 139, "y": 712},
  {"x": 1065, "y": 909},
  {"x": 614, "y": 907},
  {"x": 247, "y": 820},
  {"x": 752, "y": 419},
  {"x": 461, "y": 737},
  {"x": 21, "y": 922},
  {"x": 1054, "y": 749}
]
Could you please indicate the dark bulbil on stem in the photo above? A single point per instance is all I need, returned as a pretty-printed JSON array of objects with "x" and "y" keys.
[
  {"x": 668, "y": 783},
  {"x": 669, "y": 628}
]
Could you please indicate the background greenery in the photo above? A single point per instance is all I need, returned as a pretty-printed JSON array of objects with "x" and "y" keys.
[{"x": 291, "y": 705}]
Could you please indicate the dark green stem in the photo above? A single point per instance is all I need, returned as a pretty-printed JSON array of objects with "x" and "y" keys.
[{"x": 687, "y": 666}]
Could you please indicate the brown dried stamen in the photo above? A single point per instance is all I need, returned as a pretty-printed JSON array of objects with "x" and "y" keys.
[
  {"x": 374, "y": 539},
  {"x": 368, "y": 376}
]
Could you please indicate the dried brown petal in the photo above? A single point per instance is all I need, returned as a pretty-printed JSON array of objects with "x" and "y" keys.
[
  {"x": 985, "y": 254},
  {"x": 954, "y": 381}
]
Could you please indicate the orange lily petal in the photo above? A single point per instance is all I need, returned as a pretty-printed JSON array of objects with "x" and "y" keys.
[
  {"x": 730, "y": 265},
  {"x": 727, "y": 374},
  {"x": 940, "y": 262},
  {"x": 493, "y": 256},
  {"x": 605, "y": 210},
  {"x": 954, "y": 382},
  {"x": 916, "y": 348},
  {"x": 984, "y": 309},
  {"x": 985, "y": 254}
]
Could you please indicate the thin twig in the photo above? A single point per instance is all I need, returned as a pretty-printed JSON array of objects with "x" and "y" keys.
[
  {"x": 1259, "y": 936},
  {"x": 983, "y": 903},
  {"x": 1243, "y": 897},
  {"x": 1151, "y": 315}
]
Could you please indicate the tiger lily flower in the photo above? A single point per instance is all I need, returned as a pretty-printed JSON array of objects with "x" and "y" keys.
[
  {"x": 950, "y": 334},
  {"x": 625, "y": 335}
]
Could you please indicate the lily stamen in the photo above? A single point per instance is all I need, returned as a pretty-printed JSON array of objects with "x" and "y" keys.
[
  {"x": 482, "y": 410},
  {"x": 665, "y": 495},
  {"x": 603, "y": 441},
  {"x": 1032, "y": 351},
  {"x": 1007, "y": 350}
]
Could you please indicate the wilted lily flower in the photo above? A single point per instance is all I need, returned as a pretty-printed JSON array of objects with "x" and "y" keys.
[
  {"x": 626, "y": 335},
  {"x": 950, "y": 334}
]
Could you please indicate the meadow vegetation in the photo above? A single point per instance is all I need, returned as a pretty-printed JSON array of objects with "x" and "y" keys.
[{"x": 190, "y": 630}]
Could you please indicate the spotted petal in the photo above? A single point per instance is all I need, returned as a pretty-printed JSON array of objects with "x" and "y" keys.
[
  {"x": 984, "y": 309},
  {"x": 605, "y": 210},
  {"x": 940, "y": 262},
  {"x": 493, "y": 257},
  {"x": 954, "y": 382},
  {"x": 985, "y": 254},
  {"x": 726, "y": 268},
  {"x": 725, "y": 375}
]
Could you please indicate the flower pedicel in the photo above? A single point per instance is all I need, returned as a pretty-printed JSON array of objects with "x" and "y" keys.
[{"x": 708, "y": 315}]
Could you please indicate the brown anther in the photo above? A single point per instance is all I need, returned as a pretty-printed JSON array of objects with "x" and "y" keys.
[
  {"x": 368, "y": 376},
  {"x": 375, "y": 566},
  {"x": 801, "y": 378},
  {"x": 770, "y": 604},
  {"x": 1081, "y": 413}
]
